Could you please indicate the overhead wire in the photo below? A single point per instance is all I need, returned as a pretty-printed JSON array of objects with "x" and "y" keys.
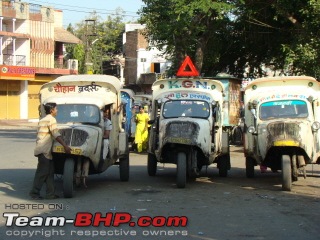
[{"x": 87, "y": 10}]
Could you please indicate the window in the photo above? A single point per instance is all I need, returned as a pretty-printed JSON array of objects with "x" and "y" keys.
[
  {"x": 284, "y": 109},
  {"x": 190, "y": 108},
  {"x": 80, "y": 113},
  {"x": 155, "y": 67}
]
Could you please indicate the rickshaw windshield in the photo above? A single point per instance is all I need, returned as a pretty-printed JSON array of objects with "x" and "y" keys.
[
  {"x": 80, "y": 113},
  {"x": 182, "y": 108},
  {"x": 283, "y": 109}
]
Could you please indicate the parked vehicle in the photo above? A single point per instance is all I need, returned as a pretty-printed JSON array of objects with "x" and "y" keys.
[
  {"x": 142, "y": 100},
  {"x": 282, "y": 125},
  {"x": 232, "y": 104},
  {"x": 127, "y": 98},
  {"x": 187, "y": 119},
  {"x": 81, "y": 100}
]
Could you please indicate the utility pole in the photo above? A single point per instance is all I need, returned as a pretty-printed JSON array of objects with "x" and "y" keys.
[{"x": 89, "y": 34}]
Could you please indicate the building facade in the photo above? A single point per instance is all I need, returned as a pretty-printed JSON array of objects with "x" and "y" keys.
[
  {"x": 31, "y": 53},
  {"x": 143, "y": 63}
]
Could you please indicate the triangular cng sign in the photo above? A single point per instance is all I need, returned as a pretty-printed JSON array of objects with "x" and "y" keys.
[{"x": 191, "y": 71}]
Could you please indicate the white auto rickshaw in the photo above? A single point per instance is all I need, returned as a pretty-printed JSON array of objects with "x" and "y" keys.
[
  {"x": 282, "y": 125},
  {"x": 187, "y": 126},
  {"x": 81, "y": 100}
]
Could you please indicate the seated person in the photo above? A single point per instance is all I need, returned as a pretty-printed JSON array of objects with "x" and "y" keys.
[{"x": 107, "y": 130}]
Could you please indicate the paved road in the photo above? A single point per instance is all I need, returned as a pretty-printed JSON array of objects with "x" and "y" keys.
[{"x": 216, "y": 208}]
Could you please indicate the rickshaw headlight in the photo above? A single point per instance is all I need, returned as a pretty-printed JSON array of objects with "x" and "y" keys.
[
  {"x": 251, "y": 129},
  {"x": 315, "y": 126}
]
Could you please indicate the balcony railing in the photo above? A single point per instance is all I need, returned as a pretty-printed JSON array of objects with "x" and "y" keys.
[
  {"x": 34, "y": 8},
  {"x": 20, "y": 60},
  {"x": 59, "y": 62}
]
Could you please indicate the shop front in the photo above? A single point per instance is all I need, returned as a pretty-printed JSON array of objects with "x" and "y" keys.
[{"x": 19, "y": 92}]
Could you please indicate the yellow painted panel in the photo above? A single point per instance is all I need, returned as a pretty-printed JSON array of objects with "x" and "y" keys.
[
  {"x": 3, "y": 105},
  {"x": 286, "y": 143},
  {"x": 10, "y": 99},
  {"x": 33, "y": 99},
  {"x": 14, "y": 107}
]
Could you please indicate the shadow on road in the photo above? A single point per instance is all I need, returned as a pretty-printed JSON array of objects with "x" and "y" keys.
[
  {"x": 18, "y": 133},
  {"x": 17, "y": 182}
]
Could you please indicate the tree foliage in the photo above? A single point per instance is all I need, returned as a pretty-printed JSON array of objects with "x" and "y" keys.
[
  {"x": 282, "y": 34},
  {"x": 101, "y": 40},
  {"x": 239, "y": 36},
  {"x": 244, "y": 38},
  {"x": 184, "y": 27}
]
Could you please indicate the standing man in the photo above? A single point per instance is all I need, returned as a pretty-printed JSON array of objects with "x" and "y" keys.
[{"x": 46, "y": 134}]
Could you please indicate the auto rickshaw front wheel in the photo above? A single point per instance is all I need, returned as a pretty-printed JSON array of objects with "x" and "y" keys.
[
  {"x": 68, "y": 174},
  {"x": 181, "y": 170},
  {"x": 286, "y": 173}
]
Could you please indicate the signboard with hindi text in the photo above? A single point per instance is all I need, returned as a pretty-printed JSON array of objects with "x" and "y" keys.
[
  {"x": 97, "y": 89},
  {"x": 17, "y": 72}
]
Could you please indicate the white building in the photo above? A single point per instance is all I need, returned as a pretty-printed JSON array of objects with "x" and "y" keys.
[{"x": 143, "y": 63}]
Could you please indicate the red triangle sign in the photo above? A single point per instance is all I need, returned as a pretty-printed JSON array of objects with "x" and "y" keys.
[{"x": 190, "y": 72}]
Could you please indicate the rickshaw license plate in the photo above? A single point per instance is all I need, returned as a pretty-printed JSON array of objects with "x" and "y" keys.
[
  {"x": 179, "y": 140},
  {"x": 60, "y": 149}
]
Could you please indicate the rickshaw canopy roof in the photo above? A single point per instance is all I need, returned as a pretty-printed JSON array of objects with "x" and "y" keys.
[{"x": 99, "y": 90}]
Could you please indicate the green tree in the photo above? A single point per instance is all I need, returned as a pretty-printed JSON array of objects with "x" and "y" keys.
[
  {"x": 283, "y": 34},
  {"x": 101, "y": 40},
  {"x": 184, "y": 27},
  {"x": 76, "y": 51},
  {"x": 237, "y": 36}
]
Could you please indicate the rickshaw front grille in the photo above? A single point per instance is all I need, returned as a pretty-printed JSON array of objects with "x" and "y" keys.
[
  {"x": 284, "y": 130},
  {"x": 182, "y": 130},
  {"x": 73, "y": 137}
]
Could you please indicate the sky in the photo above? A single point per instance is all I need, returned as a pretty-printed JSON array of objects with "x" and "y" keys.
[{"x": 75, "y": 11}]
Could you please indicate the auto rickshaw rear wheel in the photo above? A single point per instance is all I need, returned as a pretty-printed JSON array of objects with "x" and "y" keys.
[
  {"x": 250, "y": 163},
  {"x": 152, "y": 164},
  {"x": 124, "y": 168},
  {"x": 295, "y": 173},
  {"x": 224, "y": 165}
]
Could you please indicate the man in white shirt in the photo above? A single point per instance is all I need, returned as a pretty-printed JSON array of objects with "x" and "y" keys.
[{"x": 107, "y": 129}]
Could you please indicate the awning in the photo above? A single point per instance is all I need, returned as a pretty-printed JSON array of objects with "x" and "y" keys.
[{"x": 62, "y": 35}]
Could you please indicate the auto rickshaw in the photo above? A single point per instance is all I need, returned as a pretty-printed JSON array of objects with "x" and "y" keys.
[
  {"x": 81, "y": 100},
  {"x": 282, "y": 126}
]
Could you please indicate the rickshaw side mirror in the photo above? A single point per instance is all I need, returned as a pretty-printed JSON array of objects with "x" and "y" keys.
[
  {"x": 159, "y": 103},
  {"x": 253, "y": 111}
]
